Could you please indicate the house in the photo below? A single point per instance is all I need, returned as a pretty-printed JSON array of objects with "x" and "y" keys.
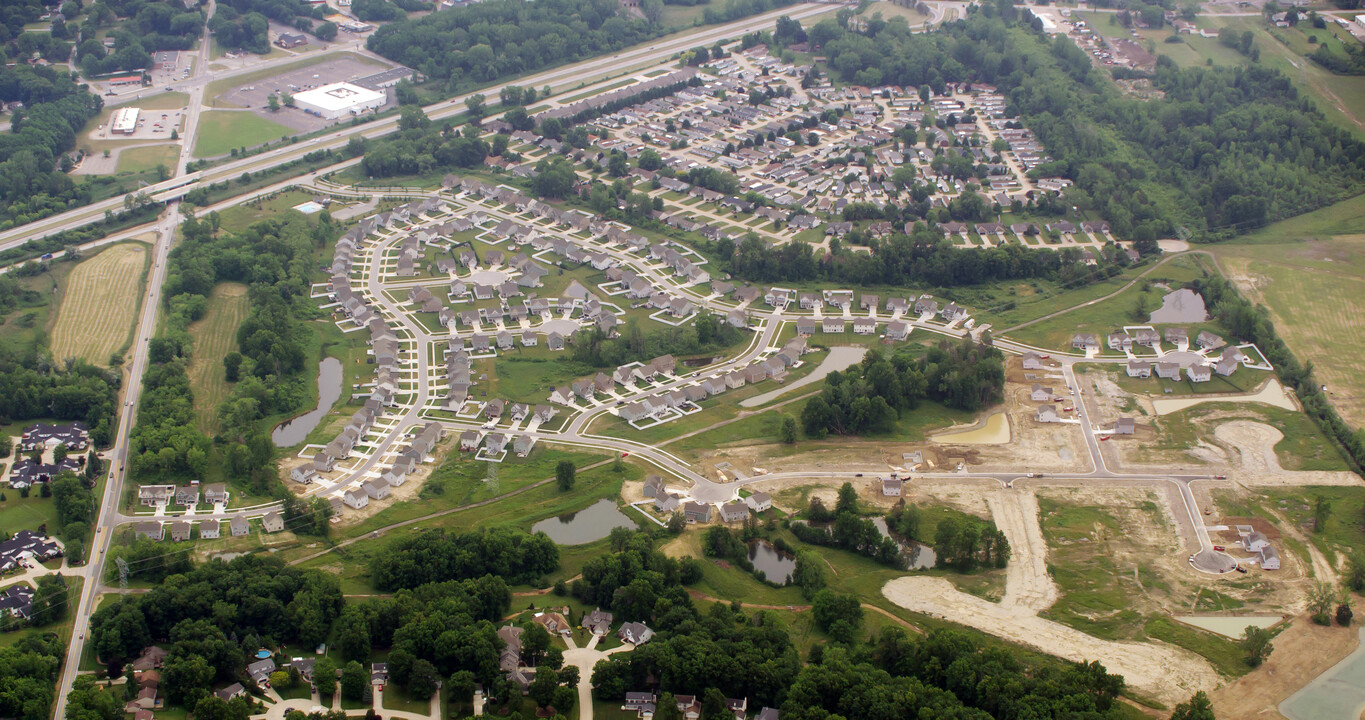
[
  {"x": 805, "y": 326},
  {"x": 356, "y": 498},
  {"x": 155, "y": 495},
  {"x": 1147, "y": 337},
  {"x": 554, "y": 623},
  {"x": 215, "y": 493},
  {"x": 1168, "y": 370},
  {"x": 150, "y": 659},
  {"x": 734, "y": 512},
  {"x": 832, "y": 325},
  {"x": 891, "y": 487},
  {"x": 1120, "y": 341},
  {"x": 654, "y": 486},
  {"x": 238, "y": 526},
  {"x": 1139, "y": 368},
  {"x": 148, "y": 530},
  {"x": 180, "y": 531},
  {"x": 696, "y": 512},
  {"x": 598, "y": 622},
  {"x": 864, "y": 326},
  {"x": 1254, "y": 542},
  {"x": 521, "y": 445},
  {"x": 767, "y": 713},
  {"x": 234, "y": 690},
  {"x": 1032, "y": 360},
  {"x": 1270, "y": 559},
  {"x": 377, "y": 489},
  {"x": 1047, "y": 414},
  {"x": 1040, "y": 393},
  {"x": 640, "y": 702},
  {"x": 1200, "y": 373},
  {"x": 1176, "y": 336},
  {"x": 379, "y": 674},
  {"x": 1208, "y": 341},
  {"x": 210, "y": 530},
  {"x": 291, "y": 40},
  {"x": 759, "y": 501},
  {"x": 635, "y": 633},
  {"x": 1085, "y": 341},
  {"x": 1125, "y": 426},
  {"x": 667, "y": 504},
  {"x": 272, "y": 522},
  {"x": 896, "y": 330}
]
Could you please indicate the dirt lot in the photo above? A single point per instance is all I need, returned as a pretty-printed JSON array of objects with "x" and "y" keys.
[
  {"x": 337, "y": 69},
  {"x": 1161, "y": 671},
  {"x": 1302, "y": 652}
]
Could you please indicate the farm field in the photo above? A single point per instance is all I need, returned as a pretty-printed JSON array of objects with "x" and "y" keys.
[
  {"x": 100, "y": 305},
  {"x": 215, "y": 335},
  {"x": 220, "y": 131},
  {"x": 1308, "y": 273}
]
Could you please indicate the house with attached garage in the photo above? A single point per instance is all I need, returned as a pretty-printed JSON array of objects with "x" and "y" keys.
[
  {"x": 1139, "y": 368},
  {"x": 1040, "y": 394},
  {"x": 734, "y": 512},
  {"x": 238, "y": 526},
  {"x": 1032, "y": 360},
  {"x": 1168, "y": 370},
  {"x": 1125, "y": 426},
  {"x": 891, "y": 487},
  {"x": 1200, "y": 373},
  {"x": 356, "y": 498},
  {"x": 272, "y": 522}
]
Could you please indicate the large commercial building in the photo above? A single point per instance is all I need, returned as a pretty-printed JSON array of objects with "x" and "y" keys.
[
  {"x": 339, "y": 100},
  {"x": 124, "y": 121}
]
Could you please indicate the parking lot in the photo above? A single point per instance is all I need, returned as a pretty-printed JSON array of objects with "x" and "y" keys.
[
  {"x": 151, "y": 125},
  {"x": 339, "y": 69}
]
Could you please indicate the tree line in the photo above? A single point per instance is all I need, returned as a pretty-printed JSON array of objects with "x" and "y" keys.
[
  {"x": 28, "y": 672},
  {"x": 34, "y": 387},
  {"x": 869, "y": 397},
  {"x": 707, "y": 334}
]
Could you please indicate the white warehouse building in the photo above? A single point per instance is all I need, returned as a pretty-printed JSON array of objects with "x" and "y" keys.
[
  {"x": 124, "y": 121},
  {"x": 339, "y": 100}
]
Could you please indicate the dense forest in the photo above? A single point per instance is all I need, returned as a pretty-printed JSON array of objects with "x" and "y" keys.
[
  {"x": 244, "y": 24},
  {"x": 486, "y": 41},
  {"x": 1225, "y": 150},
  {"x": 32, "y": 185},
  {"x": 28, "y": 672},
  {"x": 436, "y": 555},
  {"x": 868, "y": 397},
  {"x": 275, "y": 259},
  {"x": 35, "y": 387},
  {"x": 146, "y": 28}
]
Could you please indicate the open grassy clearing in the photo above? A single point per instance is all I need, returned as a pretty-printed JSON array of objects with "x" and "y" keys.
[
  {"x": 143, "y": 159},
  {"x": 26, "y": 513},
  {"x": 1130, "y": 307},
  {"x": 240, "y": 217},
  {"x": 26, "y": 327},
  {"x": 214, "y": 335},
  {"x": 220, "y": 131},
  {"x": 101, "y": 303},
  {"x": 1304, "y": 447},
  {"x": 1311, "y": 286}
]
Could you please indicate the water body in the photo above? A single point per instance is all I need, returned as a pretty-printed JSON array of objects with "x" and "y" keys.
[
  {"x": 776, "y": 566},
  {"x": 994, "y": 431},
  {"x": 1228, "y": 626},
  {"x": 1338, "y": 694},
  {"x": 921, "y": 557},
  {"x": 1181, "y": 306},
  {"x": 292, "y": 432},
  {"x": 593, "y": 522}
]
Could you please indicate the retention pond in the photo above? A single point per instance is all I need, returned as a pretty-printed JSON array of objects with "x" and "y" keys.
[{"x": 292, "y": 432}]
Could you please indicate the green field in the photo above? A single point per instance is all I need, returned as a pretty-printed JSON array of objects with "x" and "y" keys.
[
  {"x": 26, "y": 513},
  {"x": 142, "y": 159},
  {"x": 1304, "y": 447},
  {"x": 220, "y": 131},
  {"x": 214, "y": 336},
  {"x": 100, "y": 306},
  {"x": 240, "y": 217},
  {"x": 1308, "y": 272}
]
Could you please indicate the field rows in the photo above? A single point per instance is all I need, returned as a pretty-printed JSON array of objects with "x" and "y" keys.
[
  {"x": 215, "y": 335},
  {"x": 100, "y": 304}
]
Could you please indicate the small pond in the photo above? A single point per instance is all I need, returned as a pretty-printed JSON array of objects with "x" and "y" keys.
[
  {"x": 919, "y": 557},
  {"x": 292, "y": 432},
  {"x": 777, "y": 567},
  {"x": 1181, "y": 306},
  {"x": 1231, "y": 626},
  {"x": 593, "y": 522}
]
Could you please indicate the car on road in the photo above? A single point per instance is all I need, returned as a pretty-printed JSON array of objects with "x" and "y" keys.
[
  {"x": 1241, "y": 569},
  {"x": 1104, "y": 438},
  {"x": 1219, "y": 548},
  {"x": 1220, "y": 477}
]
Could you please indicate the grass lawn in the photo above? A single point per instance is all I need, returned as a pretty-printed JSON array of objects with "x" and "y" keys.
[
  {"x": 240, "y": 217},
  {"x": 1308, "y": 272},
  {"x": 299, "y": 691},
  {"x": 215, "y": 335},
  {"x": 682, "y": 16},
  {"x": 104, "y": 293},
  {"x": 220, "y": 131},
  {"x": 26, "y": 513},
  {"x": 143, "y": 159},
  {"x": 396, "y": 698}
]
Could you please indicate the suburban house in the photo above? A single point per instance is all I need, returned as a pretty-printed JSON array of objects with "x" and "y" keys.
[{"x": 891, "y": 487}]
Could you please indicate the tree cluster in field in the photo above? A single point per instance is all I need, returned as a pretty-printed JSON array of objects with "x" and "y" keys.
[
  {"x": 961, "y": 542},
  {"x": 924, "y": 257},
  {"x": 1225, "y": 150},
  {"x": 1252, "y": 323},
  {"x": 436, "y": 555},
  {"x": 275, "y": 258},
  {"x": 28, "y": 672},
  {"x": 707, "y": 334},
  {"x": 868, "y": 398},
  {"x": 846, "y": 528},
  {"x": 33, "y": 387},
  {"x": 635, "y": 579},
  {"x": 32, "y": 153},
  {"x": 421, "y": 147},
  {"x": 213, "y": 618}
]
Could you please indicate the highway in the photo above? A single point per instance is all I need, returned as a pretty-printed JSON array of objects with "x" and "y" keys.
[{"x": 656, "y": 51}]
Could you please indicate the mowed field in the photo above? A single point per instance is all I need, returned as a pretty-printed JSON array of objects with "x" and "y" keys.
[
  {"x": 1310, "y": 272},
  {"x": 100, "y": 304},
  {"x": 215, "y": 335}
]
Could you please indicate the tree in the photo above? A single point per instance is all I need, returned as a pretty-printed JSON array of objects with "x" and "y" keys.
[
  {"x": 809, "y": 574},
  {"x": 232, "y": 366},
  {"x": 273, "y": 102},
  {"x": 423, "y": 680},
  {"x": 49, "y": 600},
  {"x": 1320, "y": 599},
  {"x": 287, "y": 99},
  {"x": 325, "y": 676},
  {"x": 848, "y": 500},
  {"x": 787, "y": 430},
  {"x": 461, "y": 686},
  {"x": 838, "y": 614},
  {"x": 354, "y": 680},
  {"x": 1322, "y": 510},
  {"x": 667, "y": 708},
  {"x": 59, "y": 453},
  {"x": 281, "y": 680},
  {"x": 565, "y": 473},
  {"x": 325, "y": 31},
  {"x": 1196, "y": 708},
  {"x": 542, "y": 689},
  {"x": 186, "y": 678},
  {"x": 1256, "y": 645},
  {"x": 474, "y": 105},
  {"x": 1355, "y": 573}
]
